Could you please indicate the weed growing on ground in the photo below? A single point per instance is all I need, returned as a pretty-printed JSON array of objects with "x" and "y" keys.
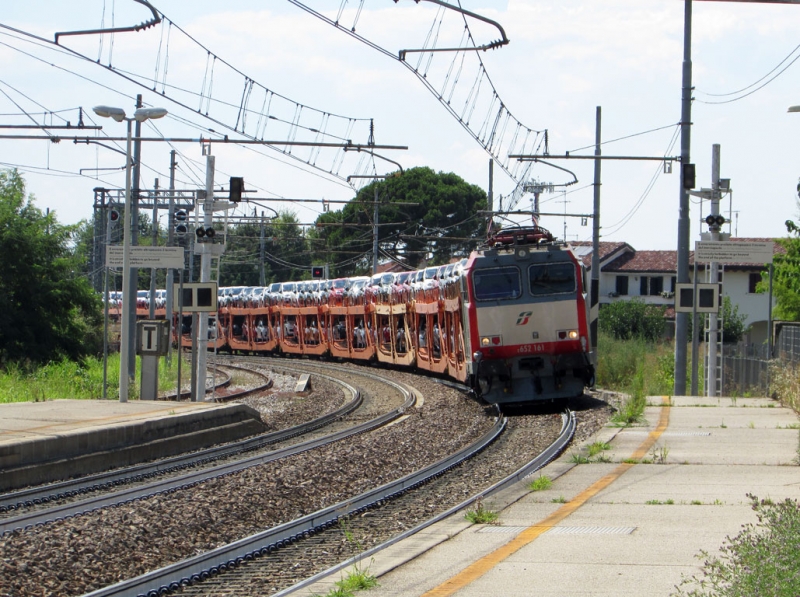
[
  {"x": 696, "y": 503},
  {"x": 559, "y": 500},
  {"x": 579, "y": 458},
  {"x": 481, "y": 514},
  {"x": 597, "y": 447},
  {"x": 540, "y": 484},
  {"x": 356, "y": 580},
  {"x": 760, "y": 560},
  {"x": 797, "y": 458},
  {"x": 659, "y": 454}
]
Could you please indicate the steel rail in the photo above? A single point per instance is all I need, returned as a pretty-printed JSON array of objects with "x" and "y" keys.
[
  {"x": 59, "y": 513},
  {"x": 65, "y": 489},
  {"x": 172, "y": 577},
  {"x": 568, "y": 427}
]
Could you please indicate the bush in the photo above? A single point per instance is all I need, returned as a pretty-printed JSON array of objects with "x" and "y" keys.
[
  {"x": 761, "y": 560},
  {"x": 625, "y": 320}
]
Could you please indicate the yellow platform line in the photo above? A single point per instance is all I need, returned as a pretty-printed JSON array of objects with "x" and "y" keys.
[{"x": 477, "y": 569}]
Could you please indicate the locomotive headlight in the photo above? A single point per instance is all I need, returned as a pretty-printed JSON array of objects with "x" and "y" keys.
[
  {"x": 485, "y": 341},
  {"x": 567, "y": 334},
  {"x": 572, "y": 334}
]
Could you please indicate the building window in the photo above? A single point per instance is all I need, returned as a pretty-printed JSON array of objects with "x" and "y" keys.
[
  {"x": 622, "y": 285},
  {"x": 656, "y": 285},
  {"x": 752, "y": 281},
  {"x": 672, "y": 284},
  {"x": 651, "y": 285}
]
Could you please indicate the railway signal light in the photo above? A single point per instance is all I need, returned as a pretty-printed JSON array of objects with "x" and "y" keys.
[
  {"x": 236, "y": 189},
  {"x": 689, "y": 176},
  {"x": 205, "y": 232},
  {"x": 113, "y": 216},
  {"x": 180, "y": 217},
  {"x": 712, "y": 220},
  {"x": 317, "y": 272}
]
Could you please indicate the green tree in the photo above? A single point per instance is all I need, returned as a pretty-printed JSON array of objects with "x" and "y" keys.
[
  {"x": 625, "y": 320},
  {"x": 422, "y": 215},
  {"x": 786, "y": 276},
  {"x": 48, "y": 309},
  {"x": 241, "y": 263},
  {"x": 733, "y": 327}
]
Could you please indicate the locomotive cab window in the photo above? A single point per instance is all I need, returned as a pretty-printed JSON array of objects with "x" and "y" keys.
[
  {"x": 497, "y": 283},
  {"x": 551, "y": 278}
]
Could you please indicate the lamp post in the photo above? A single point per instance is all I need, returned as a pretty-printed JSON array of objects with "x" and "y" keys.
[{"x": 140, "y": 115}]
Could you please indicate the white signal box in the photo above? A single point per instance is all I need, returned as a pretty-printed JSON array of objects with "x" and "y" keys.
[
  {"x": 197, "y": 297},
  {"x": 708, "y": 298}
]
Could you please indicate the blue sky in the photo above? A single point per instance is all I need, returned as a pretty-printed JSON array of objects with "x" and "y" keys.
[{"x": 565, "y": 58}]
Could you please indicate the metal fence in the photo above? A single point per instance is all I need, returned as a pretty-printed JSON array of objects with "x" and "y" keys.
[{"x": 746, "y": 367}]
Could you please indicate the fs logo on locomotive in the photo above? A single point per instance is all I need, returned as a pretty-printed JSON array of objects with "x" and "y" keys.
[{"x": 523, "y": 317}]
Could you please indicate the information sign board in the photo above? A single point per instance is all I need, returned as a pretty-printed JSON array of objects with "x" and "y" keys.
[
  {"x": 146, "y": 257},
  {"x": 712, "y": 251}
]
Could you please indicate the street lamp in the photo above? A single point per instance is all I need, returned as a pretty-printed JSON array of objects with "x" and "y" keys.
[{"x": 140, "y": 115}]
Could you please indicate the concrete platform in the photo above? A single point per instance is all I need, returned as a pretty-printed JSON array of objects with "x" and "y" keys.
[
  {"x": 48, "y": 441},
  {"x": 631, "y": 525}
]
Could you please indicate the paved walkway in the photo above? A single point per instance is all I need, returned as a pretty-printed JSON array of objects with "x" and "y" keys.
[{"x": 632, "y": 525}]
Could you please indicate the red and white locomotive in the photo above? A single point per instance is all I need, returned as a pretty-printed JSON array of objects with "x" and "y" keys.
[{"x": 510, "y": 321}]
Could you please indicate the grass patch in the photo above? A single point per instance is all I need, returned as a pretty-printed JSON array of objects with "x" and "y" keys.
[
  {"x": 540, "y": 484},
  {"x": 83, "y": 381},
  {"x": 481, "y": 515},
  {"x": 760, "y": 560},
  {"x": 356, "y": 580},
  {"x": 579, "y": 458},
  {"x": 597, "y": 447},
  {"x": 559, "y": 500}
]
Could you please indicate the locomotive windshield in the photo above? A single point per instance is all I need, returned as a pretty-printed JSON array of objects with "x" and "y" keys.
[
  {"x": 497, "y": 283},
  {"x": 552, "y": 278}
]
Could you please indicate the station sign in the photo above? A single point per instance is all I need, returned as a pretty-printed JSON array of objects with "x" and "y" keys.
[
  {"x": 711, "y": 251},
  {"x": 146, "y": 257}
]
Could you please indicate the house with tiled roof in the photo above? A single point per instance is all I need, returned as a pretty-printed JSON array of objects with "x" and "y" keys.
[{"x": 651, "y": 275}]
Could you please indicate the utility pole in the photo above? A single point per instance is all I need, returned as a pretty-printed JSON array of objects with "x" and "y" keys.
[
  {"x": 490, "y": 194},
  {"x": 261, "y": 277},
  {"x": 682, "y": 319},
  {"x": 375, "y": 234},
  {"x": 205, "y": 276},
  {"x": 134, "y": 232},
  {"x": 594, "y": 297},
  {"x": 713, "y": 320},
  {"x": 170, "y": 243},
  {"x": 152, "y": 313}
]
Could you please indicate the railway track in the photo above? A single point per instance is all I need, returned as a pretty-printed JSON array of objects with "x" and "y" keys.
[
  {"x": 279, "y": 497},
  {"x": 169, "y": 474},
  {"x": 287, "y": 558}
]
